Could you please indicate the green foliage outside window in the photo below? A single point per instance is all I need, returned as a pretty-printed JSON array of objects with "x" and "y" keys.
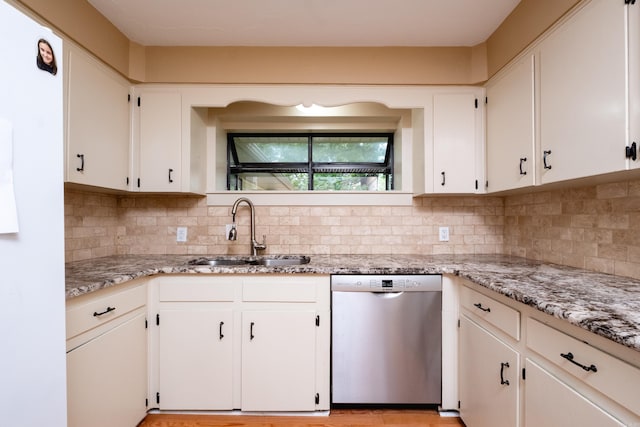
[{"x": 299, "y": 162}]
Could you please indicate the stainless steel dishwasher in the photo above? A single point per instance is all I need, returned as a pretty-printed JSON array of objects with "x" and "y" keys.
[{"x": 386, "y": 339}]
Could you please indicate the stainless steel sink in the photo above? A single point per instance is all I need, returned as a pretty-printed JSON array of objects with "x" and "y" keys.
[
  {"x": 223, "y": 261},
  {"x": 266, "y": 260},
  {"x": 283, "y": 260}
]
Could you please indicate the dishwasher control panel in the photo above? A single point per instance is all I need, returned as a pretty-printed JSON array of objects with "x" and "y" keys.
[{"x": 386, "y": 283}]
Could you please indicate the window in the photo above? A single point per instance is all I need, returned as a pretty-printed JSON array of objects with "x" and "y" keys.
[{"x": 310, "y": 161}]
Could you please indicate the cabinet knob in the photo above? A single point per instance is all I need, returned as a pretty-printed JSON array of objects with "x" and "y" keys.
[{"x": 631, "y": 152}]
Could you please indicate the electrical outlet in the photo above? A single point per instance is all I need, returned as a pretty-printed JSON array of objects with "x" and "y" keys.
[
  {"x": 227, "y": 230},
  {"x": 181, "y": 234},
  {"x": 443, "y": 233}
]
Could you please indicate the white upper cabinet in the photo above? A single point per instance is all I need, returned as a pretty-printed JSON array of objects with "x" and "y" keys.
[
  {"x": 457, "y": 143},
  {"x": 634, "y": 87},
  {"x": 570, "y": 105},
  {"x": 158, "y": 151},
  {"x": 97, "y": 123},
  {"x": 510, "y": 127},
  {"x": 583, "y": 94}
]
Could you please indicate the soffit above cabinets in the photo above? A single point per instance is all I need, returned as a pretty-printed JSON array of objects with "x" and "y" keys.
[{"x": 306, "y": 22}]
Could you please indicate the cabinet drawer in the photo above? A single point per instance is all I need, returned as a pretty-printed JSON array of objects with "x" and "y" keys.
[
  {"x": 197, "y": 290},
  {"x": 280, "y": 289},
  {"x": 497, "y": 314},
  {"x": 95, "y": 311},
  {"x": 612, "y": 377}
]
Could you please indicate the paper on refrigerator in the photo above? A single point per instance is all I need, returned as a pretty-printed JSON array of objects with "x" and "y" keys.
[{"x": 8, "y": 211}]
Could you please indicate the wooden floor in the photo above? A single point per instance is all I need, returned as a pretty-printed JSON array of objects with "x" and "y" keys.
[{"x": 338, "y": 418}]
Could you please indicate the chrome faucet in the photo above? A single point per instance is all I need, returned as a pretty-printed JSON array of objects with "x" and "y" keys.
[{"x": 233, "y": 233}]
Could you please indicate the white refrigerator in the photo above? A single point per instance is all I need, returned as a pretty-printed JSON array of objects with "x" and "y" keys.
[{"x": 32, "y": 301}]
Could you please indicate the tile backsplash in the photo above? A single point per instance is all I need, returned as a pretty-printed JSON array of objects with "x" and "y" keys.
[
  {"x": 594, "y": 227},
  {"x": 102, "y": 224}
]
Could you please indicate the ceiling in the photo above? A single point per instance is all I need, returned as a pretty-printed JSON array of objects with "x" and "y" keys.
[{"x": 306, "y": 22}]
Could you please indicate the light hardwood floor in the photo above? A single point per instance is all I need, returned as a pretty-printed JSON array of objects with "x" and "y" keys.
[{"x": 338, "y": 418}]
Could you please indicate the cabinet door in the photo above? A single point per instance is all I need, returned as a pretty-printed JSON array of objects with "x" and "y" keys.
[
  {"x": 97, "y": 124},
  {"x": 583, "y": 94},
  {"x": 549, "y": 402},
  {"x": 634, "y": 83},
  {"x": 488, "y": 378},
  {"x": 196, "y": 358},
  {"x": 510, "y": 132},
  {"x": 278, "y": 360},
  {"x": 455, "y": 143},
  {"x": 107, "y": 378},
  {"x": 160, "y": 149}
]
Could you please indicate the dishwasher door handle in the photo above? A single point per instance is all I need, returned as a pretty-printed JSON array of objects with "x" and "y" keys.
[{"x": 387, "y": 295}]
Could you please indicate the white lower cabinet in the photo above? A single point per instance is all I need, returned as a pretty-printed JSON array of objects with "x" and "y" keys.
[
  {"x": 107, "y": 357},
  {"x": 196, "y": 361},
  {"x": 566, "y": 380},
  {"x": 278, "y": 360},
  {"x": 107, "y": 378},
  {"x": 248, "y": 342},
  {"x": 488, "y": 378},
  {"x": 550, "y": 402}
]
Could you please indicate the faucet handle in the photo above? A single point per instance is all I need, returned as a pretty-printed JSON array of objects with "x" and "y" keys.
[
  {"x": 262, "y": 245},
  {"x": 233, "y": 232}
]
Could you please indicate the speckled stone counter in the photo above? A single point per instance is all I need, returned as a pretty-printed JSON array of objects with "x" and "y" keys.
[{"x": 604, "y": 304}]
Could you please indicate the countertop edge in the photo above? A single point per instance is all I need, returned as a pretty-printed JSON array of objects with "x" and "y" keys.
[{"x": 546, "y": 287}]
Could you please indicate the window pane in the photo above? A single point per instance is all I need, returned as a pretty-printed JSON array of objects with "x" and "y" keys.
[
  {"x": 349, "y": 149},
  {"x": 348, "y": 182},
  {"x": 270, "y": 181},
  {"x": 271, "y": 149}
]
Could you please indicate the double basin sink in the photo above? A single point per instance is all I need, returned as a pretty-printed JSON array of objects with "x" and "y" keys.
[{"x": 263, "y": 260}]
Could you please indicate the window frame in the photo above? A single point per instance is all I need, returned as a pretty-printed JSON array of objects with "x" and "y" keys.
[{"x": 310, "y": 167}]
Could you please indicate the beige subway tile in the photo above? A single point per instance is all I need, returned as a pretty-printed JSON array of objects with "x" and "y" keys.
[
  {"x": 629, "y": 237},
  {"x": 584, "y": 221},
  {"x": 613, "y": 221},
  {"x": 573, "y": 260},
  {"x": 634, "y": 188},
  {"x": 473, "y": 239},
  {"x": 599, "y": 265},
  {"x": 627, "y": 269},
  {"x": 561, "y": 246},
  {"x": 613, "y": 190},
  {"x": 187, "y": 221},
  {"x": 442, "y": 249},
  {"x": 613, "y": 252},
  {"x": 330, "y": 220},
  {"x": 584, "y": 249}
]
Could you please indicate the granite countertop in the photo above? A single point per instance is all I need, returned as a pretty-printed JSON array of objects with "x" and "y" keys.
[{"x": 604, "y": 304}]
